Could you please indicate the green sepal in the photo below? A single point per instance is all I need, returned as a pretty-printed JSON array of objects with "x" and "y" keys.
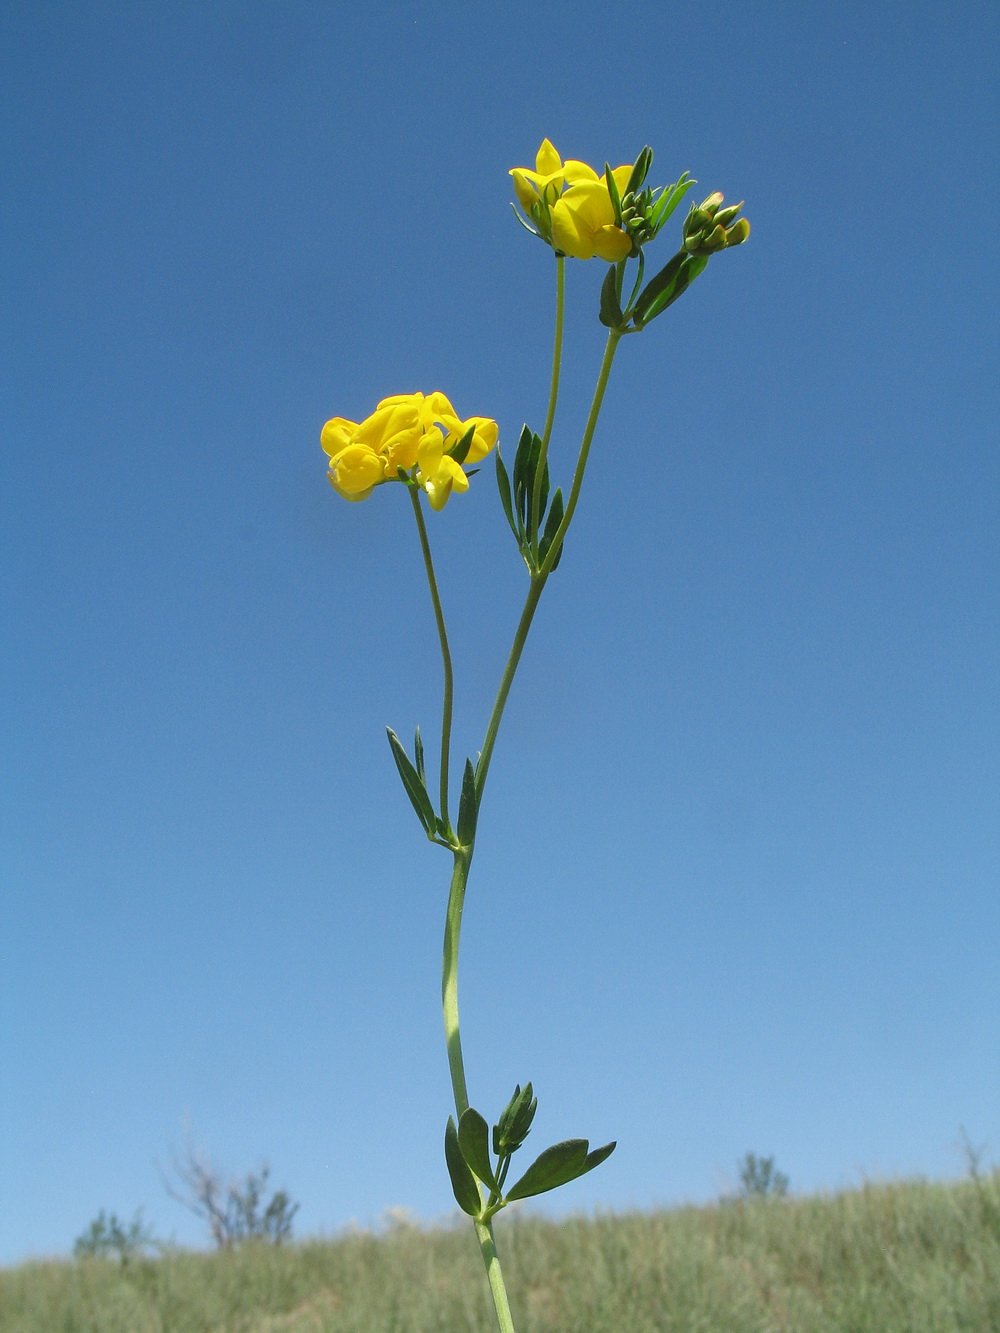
[
  {"x": 474, "y": 1141},
  {"x": 557, "y": 1166},
  {"x": 463, "y": 1182},
  {"x": 669, "y": 200},
  {"x": 670, "y": 283},
  {"x": 460, "y": 452},
  {"x": 468, "y": 807},
  {"x": 415, "y": 788},
  {"x": 522, "y": 221},
  {"x": 506, "y": 499},
  {"x": 551, "y": 528},
  {"x": 611, "y": 308},
  {"x": 616, "y": 199}
]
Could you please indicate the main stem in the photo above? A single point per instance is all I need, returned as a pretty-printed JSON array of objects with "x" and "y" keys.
[
  {"x": 453, "y": 1040},
  {"x": 463, "y": 855}
]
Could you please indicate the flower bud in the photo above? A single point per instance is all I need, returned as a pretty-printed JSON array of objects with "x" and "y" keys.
[
  {"x": 725, "y": 215},
  {"x": 708, "y": 229}
]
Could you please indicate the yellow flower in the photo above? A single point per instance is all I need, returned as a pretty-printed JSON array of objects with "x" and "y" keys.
[
  {"x": 356, "y": 471},
  {"x": 485, "y": 437},
  {"x": 439, "y": 475},
  {"x": 404, "y": 431},
  {"x": 583, "y": 220},
  {"x": 549, "y": 178}
]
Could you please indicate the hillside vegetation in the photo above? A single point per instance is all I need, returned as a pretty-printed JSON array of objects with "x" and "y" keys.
[{"x": 912, "y": 1257}]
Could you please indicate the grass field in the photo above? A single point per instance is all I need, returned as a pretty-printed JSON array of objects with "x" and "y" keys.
[{"x": 912, "y": 1257}]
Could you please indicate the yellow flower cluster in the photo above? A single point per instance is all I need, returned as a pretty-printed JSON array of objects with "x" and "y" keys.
[
  {"x": 571, "y": 205},
  {"x": 408, "y": 431}
]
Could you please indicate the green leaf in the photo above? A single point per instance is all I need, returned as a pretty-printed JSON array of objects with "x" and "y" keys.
[
  {"x": 543, "y": 494},
  {"x": 640, "y": 171},
  {"x": 669, "y": 200},
  {"x": 557, "y": 1166},
  {"x": 415, "y": 788},
  {"x": 522, "y": 459},
  {"x": 611, "y": 309},
  {"x": 418, "y": 751},
  {"x": 503, "y": 485},
  {"x": 529, "y": 451},
  {"x": 551, "y": 527},
  {"x": 523, "y": 473},
  {"x": 554, "y": 1167},
  {"x": 463, "y": 1182},
  {"x": 461, "y": 450},
  {"x": 599, "y": 1155},
  {"x": 670, "y": 283},
  {"x": 474, "y": 1140},
  {"x": 468, "y": 807}
]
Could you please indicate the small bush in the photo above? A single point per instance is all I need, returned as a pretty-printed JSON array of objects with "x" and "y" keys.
[
  {"x": 108, "y": 1237},
  {"x": 759, "y": 1179},
  {"x": 237, "y": 1210}
]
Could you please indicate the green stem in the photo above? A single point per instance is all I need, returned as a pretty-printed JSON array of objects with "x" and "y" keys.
[
  {"x": 449, "y": 684},
  {"x": 517, "y": 647},
  {"x": 488, "y": 1249},
  {"x": 463, "y": 855},
  {"x": 614, "y": 337},
  {"x": 453, "y": 1040},
  {"x": 538, "y": 579},
  {"x": 536, "y": 493},
  {"x": 449, "y": 978}
]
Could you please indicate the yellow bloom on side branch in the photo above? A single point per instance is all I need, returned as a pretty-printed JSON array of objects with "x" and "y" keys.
[{"x": 412, "y": 432}]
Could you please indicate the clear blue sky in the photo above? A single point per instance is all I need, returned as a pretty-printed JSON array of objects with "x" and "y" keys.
[{"x": 737, "y": 878}]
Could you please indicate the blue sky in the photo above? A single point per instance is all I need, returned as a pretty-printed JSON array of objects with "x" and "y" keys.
[{"x": 736, "y": 883}]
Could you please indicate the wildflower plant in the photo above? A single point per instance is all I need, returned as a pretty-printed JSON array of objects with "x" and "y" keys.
[{"x": 421, "y": 441}]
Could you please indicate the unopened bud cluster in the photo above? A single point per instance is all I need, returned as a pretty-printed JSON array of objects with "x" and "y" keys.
[
  {"x": 640, "y": 212},
  {"x": 512, "y": 1128},
  {"x": 709, "y": 227}
]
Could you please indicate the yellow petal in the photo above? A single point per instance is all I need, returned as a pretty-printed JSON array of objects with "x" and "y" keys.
[
  {"x": 440, "y": 483},
  {"x": 524, "y": 187},
  {"x": 578, "y": 217},
  {"x": 547, "y": 160},
  {"x": 354, "y": 470},
  {"x": 612, "y": 244},
  {"x": 483, "y": 440},
  {"x": 336, "y": 434},
  {"x": 621, "y": 175},
  {"x": 579, "y": 171}
]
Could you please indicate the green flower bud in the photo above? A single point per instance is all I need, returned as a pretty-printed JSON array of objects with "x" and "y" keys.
[
  {"x": 696, "y": 221},
  {"x": 512, "y": 1128},
  {"x": 726, "y": 215}
]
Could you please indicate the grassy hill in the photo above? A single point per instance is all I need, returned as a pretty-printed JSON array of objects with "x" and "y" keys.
[{"x": 911, "y": 1257}]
